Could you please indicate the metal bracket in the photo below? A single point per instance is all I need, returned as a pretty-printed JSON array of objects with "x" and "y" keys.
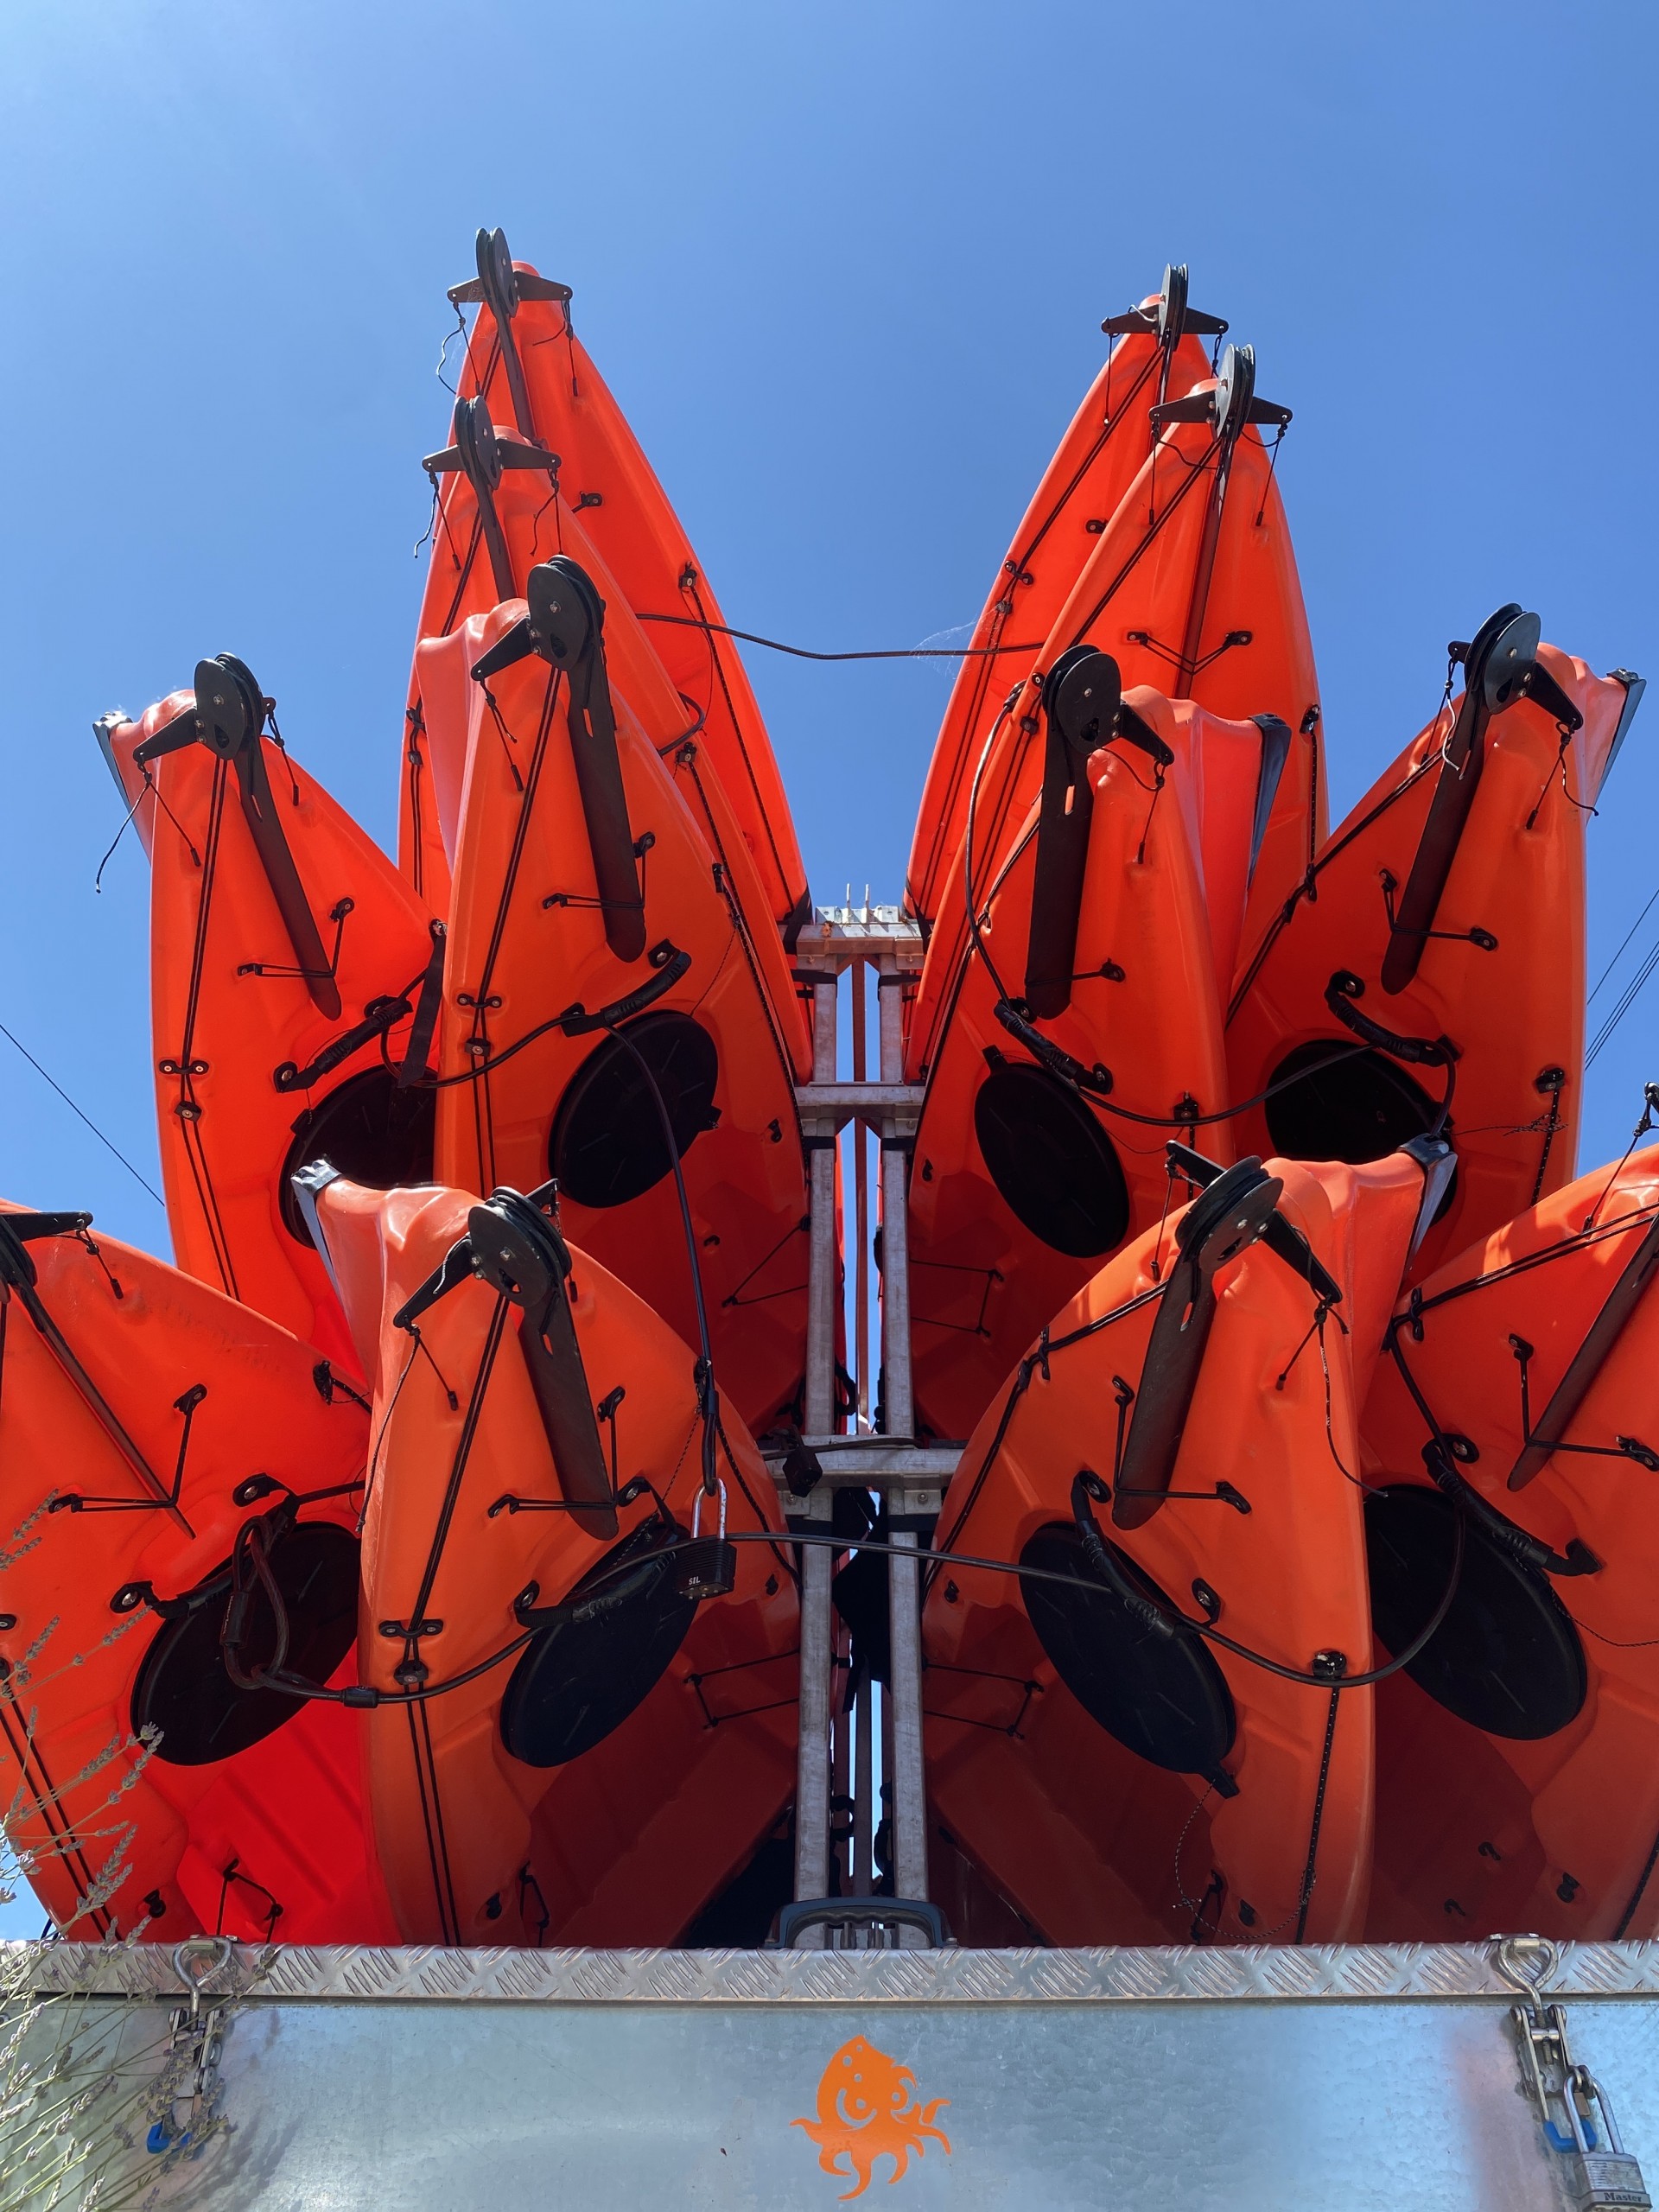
[
  {"x": 1600, "y": 2175},
  {"x": 867, "y": 1462}
]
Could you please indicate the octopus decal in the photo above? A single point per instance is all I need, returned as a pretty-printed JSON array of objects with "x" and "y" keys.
[{"x": 867, "y": 2107}]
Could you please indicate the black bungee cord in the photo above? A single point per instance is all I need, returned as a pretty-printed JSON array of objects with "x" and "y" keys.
[
  {"x": 1182, "y": 1623},
  {"x": 1094, "y": 1083},
  {"x": 249, "y": 1559}
]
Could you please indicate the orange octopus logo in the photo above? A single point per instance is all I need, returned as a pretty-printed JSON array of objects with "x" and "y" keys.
[{"x": 868, "y": 2108}]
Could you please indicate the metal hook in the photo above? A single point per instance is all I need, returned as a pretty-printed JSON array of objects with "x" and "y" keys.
[
  {"x": 1526, "y": 1962},
  {"x": 197, "y": 1960}
]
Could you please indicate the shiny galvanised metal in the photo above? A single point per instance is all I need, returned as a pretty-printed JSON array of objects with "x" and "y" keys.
[
  {"x": 882, "y": 938},
  {"x": 1191, "y": 2080},
  {"x": 817, "y": 1674}
]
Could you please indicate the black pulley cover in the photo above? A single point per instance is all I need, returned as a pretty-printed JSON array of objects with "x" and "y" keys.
[
  {"x": 1163, "y": 1697},
  {"x": 1343, "y": 1104},
  {"x": 1051, "y": 1162},
  {"x": 599, "y": 1655},
  {"x": 182, "y": 1688},
  {"x": 607, "y": 1145},
  {"x": 1507, "y": 1658},
  {"x": 374, "y": 1133}
]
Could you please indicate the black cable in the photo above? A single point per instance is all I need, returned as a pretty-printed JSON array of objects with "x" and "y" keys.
[
  {"x": 1080, "y": 1083},
  {"x": 1008, "y": 708},
  {"x": 1310, "y": 1872},
  {"x": 250, "y": 1551},
  {"x": 802, "y": 653},
  {"x": 1624, "y": 943},
  {"x": 707, "y": 1403},
  {"x": 294, "y": 1685},
  {"x": 76, "y": 1112},
  {"x": 484, "y": 1067},
  {"x": 1307, "y": 888},
  {"x": 708, "y": 1411},
  {"x": 1626, "y": 999},
  {"x": 1047, "y": 1348},
  {"x": 1182, "y": 1623},
  {"x": 1628, "y": 1913},
  {"x": 1528, "y": 1262}
]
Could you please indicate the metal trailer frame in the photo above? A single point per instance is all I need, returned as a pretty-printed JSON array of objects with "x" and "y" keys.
[{"x": 1268, "y": 2080}]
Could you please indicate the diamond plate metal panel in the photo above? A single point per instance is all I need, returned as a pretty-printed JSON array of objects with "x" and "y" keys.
[
  {"x": 982, "y": 1976},
  {"x": 1313, "y": 1974},
  {"x": 678, "y": 1975}
]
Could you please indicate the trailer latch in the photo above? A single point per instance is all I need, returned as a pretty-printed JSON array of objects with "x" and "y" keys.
[{"x": 1601, "y": 2176}]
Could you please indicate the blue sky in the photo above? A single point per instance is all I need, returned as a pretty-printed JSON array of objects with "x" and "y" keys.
[{"x": 845, "y": 269}]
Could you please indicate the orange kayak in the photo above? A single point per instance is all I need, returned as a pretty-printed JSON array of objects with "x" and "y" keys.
[
  {"x": 1432, "y": 965},
  {"x": 1123, "y": 1774},
  {"x": 295, "y": 982},
  {"x": 1184, "y": 557},
  {"x": 170, "y": 1458},
  {"x": 1518, "y": 1752},
  {"x": 596, "y": 1725},
  {"x": 1081, "y": 1030},
  {"x": 446, "y": 697},
  {"x": 1158, "y": 356},
  {"x": 601, "y": 976},
  {"x": 532, "y": 377}
]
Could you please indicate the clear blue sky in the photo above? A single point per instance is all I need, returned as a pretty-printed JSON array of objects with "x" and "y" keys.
[{"x": 844, "y": 267}]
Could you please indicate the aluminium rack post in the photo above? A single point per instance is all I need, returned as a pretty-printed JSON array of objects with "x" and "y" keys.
[
  {"x": 904, "y": 1507},
  {"x": 812, "y": 1766}
]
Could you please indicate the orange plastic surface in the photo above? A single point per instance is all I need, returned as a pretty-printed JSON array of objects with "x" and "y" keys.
[
  {"x": 1093, "y": 466},
  {"x": 625, "y": 1844},
  {"x": 228, "y": 1008},
  {"x": 538, "y": 523},
  {"x": 1093, "y": 1843},
  {"x": 1478, "y": 1831},
  {"x": 981, "y": 1283},
  {"x": 607, "y": 477},
  {"x": 123, "y": 1840},
  {"x": 1135, "y": 596},
  {"x": 527, "y": 942},
  {"x": 1515, "y": 1012}
]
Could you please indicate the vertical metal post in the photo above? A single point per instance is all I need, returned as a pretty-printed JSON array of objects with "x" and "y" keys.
[
  {"x": 895, "y": 1225},
  {"x": 906, "y": 1775},
  {"x": 908, "y": 1778},
  {"x": 822, "y": 1272},
  {"x": 812, "y": 1774},
  {"x": 812, "y": 1757},
  {"x": 862, "y": 1211},
  {"x": 863, "y": 1789},
  {"x": 841, "y": 1765}
]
